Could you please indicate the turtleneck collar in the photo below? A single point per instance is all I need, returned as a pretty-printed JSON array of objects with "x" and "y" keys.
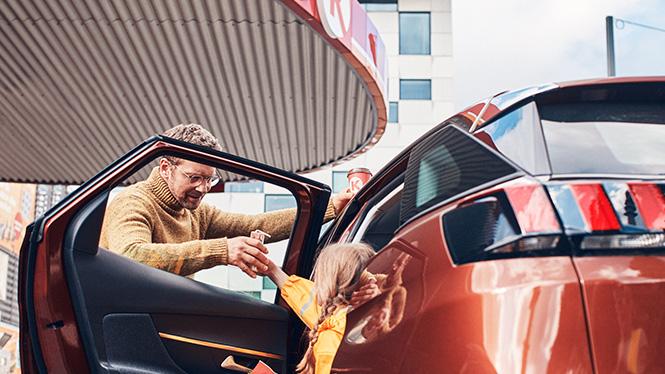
[{"x": 158, "y": 187}]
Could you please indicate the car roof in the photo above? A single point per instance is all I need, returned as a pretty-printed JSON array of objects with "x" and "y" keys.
[{"x": 485, "y": 110}]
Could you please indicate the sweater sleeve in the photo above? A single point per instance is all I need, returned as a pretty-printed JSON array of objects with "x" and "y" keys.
[
  {"x": 277, "y": 223},
  {"x": 128, "y": 231}
]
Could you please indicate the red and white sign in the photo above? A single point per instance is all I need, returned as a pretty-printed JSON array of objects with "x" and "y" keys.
[
  {"x": 349, "y": 29},
  {"x": 335, "y": 16}
]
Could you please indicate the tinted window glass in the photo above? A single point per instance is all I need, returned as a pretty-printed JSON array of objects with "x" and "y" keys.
[
  {"x": 599, "y": 138},
  {"x": 276, "y": 202},
  {"x": 415, "y": 89},
  {"x": 379, "y": 5},
  {"x": 339, "y": 181},
  {"x": 448, "y": 163},
  {"x": 518, "y": 136},
  {"x": 414, "y": 33},
  {"x": 382, "y": 219},
  {"x": 393, "y": 112},
  {"x": 248, "y": 186}
]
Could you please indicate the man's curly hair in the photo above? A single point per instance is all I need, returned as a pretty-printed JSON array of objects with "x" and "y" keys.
[{"x": 192, "y": 133}]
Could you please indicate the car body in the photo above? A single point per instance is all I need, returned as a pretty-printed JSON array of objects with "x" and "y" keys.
[{"x": 523, "y": 234}]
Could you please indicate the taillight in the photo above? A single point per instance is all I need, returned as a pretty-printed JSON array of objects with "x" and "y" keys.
[
  {"x": 611, "y": 215},
  {"x": 623, "y": 241},
  {"x": 525, "y": 218},
  {"x": 650, "y": 199},
  {"x": 516, "y": 219}
]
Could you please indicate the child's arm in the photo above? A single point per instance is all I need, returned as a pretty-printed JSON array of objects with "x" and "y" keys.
[
  {"x": 297, "y": 292},
  {"x": 276, "y": 274}
]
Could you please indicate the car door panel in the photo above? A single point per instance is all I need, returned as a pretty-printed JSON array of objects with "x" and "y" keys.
[
  {"x": 113, "y": 285},
  {"x": 132, "y": 345},
  {"x": 624, "y": 303},
  {"x": 376, "y": 331}
]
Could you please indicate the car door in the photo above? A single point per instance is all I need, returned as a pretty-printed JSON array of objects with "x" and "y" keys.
[{"x": 87, "y": 309}]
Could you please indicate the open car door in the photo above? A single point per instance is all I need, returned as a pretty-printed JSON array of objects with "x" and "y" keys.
[{"x": 87, "y": 309}]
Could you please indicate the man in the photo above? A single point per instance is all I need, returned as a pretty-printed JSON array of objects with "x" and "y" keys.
[{"x": 161, "y": 221}]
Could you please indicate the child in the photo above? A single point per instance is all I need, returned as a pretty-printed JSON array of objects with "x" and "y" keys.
[{"x": 322, "y": 304}]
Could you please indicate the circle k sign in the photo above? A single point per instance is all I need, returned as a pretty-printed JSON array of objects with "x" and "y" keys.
[{"x": 335, "y": 16}]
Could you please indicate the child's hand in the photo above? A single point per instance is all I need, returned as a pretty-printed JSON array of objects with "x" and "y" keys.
[
  {"x": 275, "y": 273},
  {"x": 366, "y": 292},
  {"x": 271, "y": 268}
]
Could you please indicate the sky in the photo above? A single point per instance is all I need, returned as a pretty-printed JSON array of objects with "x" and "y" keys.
[{"x": 508, "y": 44}]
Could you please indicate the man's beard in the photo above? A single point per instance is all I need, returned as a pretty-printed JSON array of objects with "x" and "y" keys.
[{"x": 190, "y": 202}]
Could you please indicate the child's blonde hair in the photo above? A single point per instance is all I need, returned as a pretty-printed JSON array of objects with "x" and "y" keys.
[{"x": 336, "y": 275}]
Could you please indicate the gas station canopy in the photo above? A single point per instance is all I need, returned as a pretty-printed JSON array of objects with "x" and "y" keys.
[{"x": 297, "y": 84}]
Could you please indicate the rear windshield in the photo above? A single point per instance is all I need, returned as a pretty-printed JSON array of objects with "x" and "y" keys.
[{"x": 605, "y": 138}]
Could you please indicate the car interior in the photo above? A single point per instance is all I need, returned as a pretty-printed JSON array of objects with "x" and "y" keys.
[
  {"x": 381, "y": 219},
  {"x": 135, "y": 318}
]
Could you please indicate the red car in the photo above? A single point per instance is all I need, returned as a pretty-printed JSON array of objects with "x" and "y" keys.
[{"x": 524, "y": 234}]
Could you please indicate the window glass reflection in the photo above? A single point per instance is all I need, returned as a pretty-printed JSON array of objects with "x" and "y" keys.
[
  {"x": 393, "y": 112},
  {"x": 339, "y": 181},
  {"x": 415, "y": 89},
  {"x": 277, "y": 202},
  {"x": 517, "y": 135},
  {"x": 414, "y": 33},
  {"x": 605, "y": 147}
]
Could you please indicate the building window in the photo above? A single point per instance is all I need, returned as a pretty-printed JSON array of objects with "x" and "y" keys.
[
  {"x": 414, "y": 34},
  {"x": 379, "y": 5},
  {"x": 393, "y": 112},
  {"x": 339, "y": 181},
  {"x": 254, "y": 294},
  {"x": 415, "y": 89},
  {"x": 277, "y": 202},
  {"x": 268, "y": 284},
  {"x": 247, "y": 186}
]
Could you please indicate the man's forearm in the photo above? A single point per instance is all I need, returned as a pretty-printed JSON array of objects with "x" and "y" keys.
[{"x": 182, "y": 258}]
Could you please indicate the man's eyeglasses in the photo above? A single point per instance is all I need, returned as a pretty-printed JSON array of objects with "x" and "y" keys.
[{"x": 196, "y": 180}]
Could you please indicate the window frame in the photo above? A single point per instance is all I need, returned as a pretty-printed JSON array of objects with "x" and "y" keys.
[
  {"x": 365, "y": 3},
  {"x": 370, "y": 210},
  {"x": 374, "y": 202}
]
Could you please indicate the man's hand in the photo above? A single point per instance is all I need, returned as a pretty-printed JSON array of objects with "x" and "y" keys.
[
  {"x": 247, "y": 254},
  {"x": 340, "y": 200}
]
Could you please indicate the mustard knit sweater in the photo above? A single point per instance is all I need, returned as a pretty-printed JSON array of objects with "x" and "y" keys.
[{"x": 146, "y": 223}]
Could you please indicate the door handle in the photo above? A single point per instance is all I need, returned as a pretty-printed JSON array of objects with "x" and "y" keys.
[{"x": 230, "y": 364}]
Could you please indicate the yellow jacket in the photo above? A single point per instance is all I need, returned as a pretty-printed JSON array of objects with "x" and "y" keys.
[{"x": 299, "y": 294}]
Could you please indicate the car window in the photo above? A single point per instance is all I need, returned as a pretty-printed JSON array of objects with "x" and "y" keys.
[
  {"x": 518, "y": 136},
  {"x": 381, "y": 220},
  {"x": 233, "y": 202},
  {"x": 430, "y": 164},
  {"x": 606, "y": 137},
  {"x": 448, "y": 163}
]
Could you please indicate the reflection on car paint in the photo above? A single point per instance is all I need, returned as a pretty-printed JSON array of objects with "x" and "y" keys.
[{"x": 385, "y": 316}]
